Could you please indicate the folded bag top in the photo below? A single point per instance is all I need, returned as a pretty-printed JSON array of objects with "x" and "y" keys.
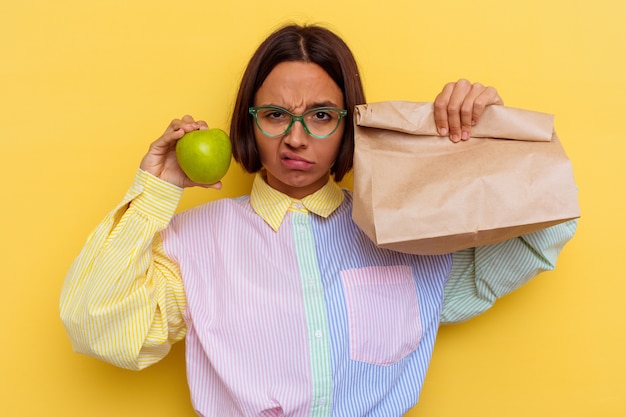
[{"x": 418, "y": 192}]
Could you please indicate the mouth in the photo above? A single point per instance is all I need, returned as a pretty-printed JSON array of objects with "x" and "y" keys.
[{"x": 295, "y": 161}]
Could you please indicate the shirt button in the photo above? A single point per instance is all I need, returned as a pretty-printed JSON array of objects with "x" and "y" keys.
[
  {"x": 299, "y": 206},
  {"x": 318, "y": 334}
]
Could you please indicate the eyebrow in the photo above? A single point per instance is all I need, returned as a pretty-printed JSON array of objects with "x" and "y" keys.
[
  {"x": 323, "y": 104},
  {"x": 315, "y": 105}
]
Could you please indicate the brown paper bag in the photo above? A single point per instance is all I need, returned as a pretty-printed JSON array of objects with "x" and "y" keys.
[{"x": 417, "y": 192}]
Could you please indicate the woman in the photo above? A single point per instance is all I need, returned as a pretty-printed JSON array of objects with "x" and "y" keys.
[{"x": 286, "y": 306}]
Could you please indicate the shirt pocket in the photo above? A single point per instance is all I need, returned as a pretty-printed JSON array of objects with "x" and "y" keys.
[{"x": 383, "y": 313}]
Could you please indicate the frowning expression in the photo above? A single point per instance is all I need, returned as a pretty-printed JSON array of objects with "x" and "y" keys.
[{"x": 296, "y": 163}]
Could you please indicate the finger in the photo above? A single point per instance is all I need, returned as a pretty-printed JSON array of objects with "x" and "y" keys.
[
  {"x": 441, "y": 109},
  {"x": 488, "y": 96},
  {"x": 189, "y": 124},
  {"x": 173, "y": 131},
  {"x": 165, "y": 143},
  {"x": 457, "y": 98},
  {"x": 187, "y": 119},
  {"x": 471, "y": 107},
  {"x": 202, "y": 125}
]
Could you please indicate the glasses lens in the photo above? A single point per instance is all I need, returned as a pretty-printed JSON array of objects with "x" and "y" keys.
[
  {"x": 321, "y": 122},
  {"x": 273, "y": 121}
]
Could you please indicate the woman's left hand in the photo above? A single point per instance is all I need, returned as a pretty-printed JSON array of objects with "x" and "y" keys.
[{"x": 459, "y": 106}]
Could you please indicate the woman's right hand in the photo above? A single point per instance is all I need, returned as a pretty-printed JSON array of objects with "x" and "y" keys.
[{"x": 160, "y": 160}]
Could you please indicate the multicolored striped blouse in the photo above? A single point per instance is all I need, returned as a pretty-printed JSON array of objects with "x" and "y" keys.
[{"x": 288, "y": 309}]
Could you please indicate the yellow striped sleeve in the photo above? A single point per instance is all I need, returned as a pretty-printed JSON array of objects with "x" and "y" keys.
[{"x": 122, "y": 299}]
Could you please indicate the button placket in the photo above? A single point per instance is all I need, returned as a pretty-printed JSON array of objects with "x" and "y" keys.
[{"x": 315, "y": 310}]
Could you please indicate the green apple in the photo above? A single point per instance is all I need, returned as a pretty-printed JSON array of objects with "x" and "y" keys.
[{"x": 204, "y": 155}]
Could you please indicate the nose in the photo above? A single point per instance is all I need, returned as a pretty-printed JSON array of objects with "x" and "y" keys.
[{"x": 297, "y": 136}]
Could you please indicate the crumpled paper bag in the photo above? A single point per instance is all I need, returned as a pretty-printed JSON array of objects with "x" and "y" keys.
[{"x": 420, "y": 193}]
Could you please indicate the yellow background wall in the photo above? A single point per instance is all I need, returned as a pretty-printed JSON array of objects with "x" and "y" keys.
[{"x": 86, "y": 86}]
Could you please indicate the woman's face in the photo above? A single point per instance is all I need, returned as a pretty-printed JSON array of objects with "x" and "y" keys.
[{"x": 298, "y": 164}]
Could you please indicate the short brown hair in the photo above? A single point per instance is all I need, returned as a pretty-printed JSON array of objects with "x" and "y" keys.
[{"x": 309, "y": 43}]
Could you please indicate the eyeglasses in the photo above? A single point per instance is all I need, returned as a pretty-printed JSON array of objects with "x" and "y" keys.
[{"x": 275, "y": 121}]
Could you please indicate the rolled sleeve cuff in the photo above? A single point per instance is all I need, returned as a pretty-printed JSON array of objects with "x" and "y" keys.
[{"x": 153, "y": 197}]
